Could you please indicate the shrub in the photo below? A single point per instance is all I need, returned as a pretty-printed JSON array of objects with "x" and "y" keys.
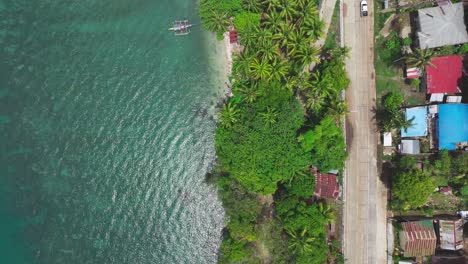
[
  {"x": 415, "y": 83},
  {"x": 411, "y": 189},
  {"x": 246, "y": 20},
  {"x": 407, "y": 41}
]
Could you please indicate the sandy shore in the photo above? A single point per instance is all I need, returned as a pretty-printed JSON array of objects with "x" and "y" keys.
[
  {"x": 227, "y": 53},
  {"x": 221, "y": 56}
]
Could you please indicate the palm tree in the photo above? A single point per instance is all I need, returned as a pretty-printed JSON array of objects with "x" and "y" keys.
[
  {"x": 327, "y": 212},
  {"x": 323, "y": 85},
  {"x": 291, "y": 82},
  {"x": 314, "y": 102},
  {"x": 338, "y": 108},
  {"x": 241, "y": 65},
  {"x": 282, "y": 37},
  {"x": 279, "y": 70},
  {"x": 253, "y": 6},
  {"x": 249, "y": 93},
  {"x": 262, "y": 35},
  {"x": 399, "y": 121},
  {"x": 307, "y": 10},
  {"x": 314, "y": 28},
  {"x": 341, "y": 52},
  {"x": 260, "y": 69},
  {"x": 215, "y": 21},
  {"x": 229, "y": 115},
  {"x": 300, "y": 243},
  {"x": 249, "y": 37},
  {"x": 295, "y": 42},
  {"x": 272, "y": 5},
  {"x": 307, "y": 54},
  {"x": 269, "y": 51},
  {"x": 270, "y": 116},
  {"x": 288, "y": 9},
  {"x": 273, "y": 21},
  {"x": 303, "y": 81},
  {"x": 420, "y": 58}
]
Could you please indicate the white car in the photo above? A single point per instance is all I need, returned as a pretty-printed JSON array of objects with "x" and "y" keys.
[{"x": 363, "y": 8}]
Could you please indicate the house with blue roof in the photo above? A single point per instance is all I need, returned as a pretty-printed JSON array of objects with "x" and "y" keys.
[
  {"x": 452, "y": 126},
  {"x": 418, "y": 117}
]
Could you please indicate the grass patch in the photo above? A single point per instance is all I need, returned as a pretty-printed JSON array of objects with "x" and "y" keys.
[
  {"x": 389, "y": 77},
  {"x": 440, "y": 180},
  {"x": 333, "y": 36},
  {"x": 386, "y": 85},
  {"x": 439, "y": 201}
]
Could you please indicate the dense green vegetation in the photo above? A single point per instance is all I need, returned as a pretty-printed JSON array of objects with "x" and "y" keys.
[
  {"x": 389, "y": 113},
  {"x": 412, "y": 186},
  {"x": 282, "y": 119}
]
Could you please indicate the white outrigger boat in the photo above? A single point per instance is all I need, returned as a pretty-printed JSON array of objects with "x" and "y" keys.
[{"x": 181, "y": 27}]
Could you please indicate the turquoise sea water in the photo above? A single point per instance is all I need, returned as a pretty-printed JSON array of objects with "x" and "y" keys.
[{"x": 106, "y": 134}]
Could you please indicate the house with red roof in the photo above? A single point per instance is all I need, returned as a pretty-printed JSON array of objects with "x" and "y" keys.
[
  {"x": 443, "y": 76},
  {"x": 326, "y": 185},
  {"x": 233, "y": 36}
]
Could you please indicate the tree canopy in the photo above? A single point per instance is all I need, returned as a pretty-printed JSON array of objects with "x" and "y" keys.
[
  {"x": 326, "y": 143},
  {"x": 411, "y": 188},
  {"x": 260, "y": 154}
]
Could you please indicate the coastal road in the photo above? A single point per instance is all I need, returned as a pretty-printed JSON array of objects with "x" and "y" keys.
[{"x": 364, "y": 212}]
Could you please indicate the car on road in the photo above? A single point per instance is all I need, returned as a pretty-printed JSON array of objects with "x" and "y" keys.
[{"x": 363, "y": 8}]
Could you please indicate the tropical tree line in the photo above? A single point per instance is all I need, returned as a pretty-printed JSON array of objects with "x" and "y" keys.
[{"x": 284, "y": 117}]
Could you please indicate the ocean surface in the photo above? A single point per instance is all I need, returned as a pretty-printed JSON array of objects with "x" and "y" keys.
[{"x": 106, "y": 123}]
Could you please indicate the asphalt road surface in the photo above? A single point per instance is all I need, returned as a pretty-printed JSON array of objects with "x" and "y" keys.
[{"x": 364, "y": 218}]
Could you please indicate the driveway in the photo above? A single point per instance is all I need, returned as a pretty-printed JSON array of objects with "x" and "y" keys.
[{"x": 364, "y": 218}]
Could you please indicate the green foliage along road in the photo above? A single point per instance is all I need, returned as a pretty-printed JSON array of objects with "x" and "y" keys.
[{"x": 282, "y": 120}]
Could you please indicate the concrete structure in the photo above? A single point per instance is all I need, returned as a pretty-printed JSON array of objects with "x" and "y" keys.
[
  {"x": 365, "y": 195},
  {"x": 418, "y": 238},
  {"x": 410, "y": 146},
  {"x": 451, "y": 234},
  {"x": 418, "y": 127},
  {"x": 441, "y": 26}
]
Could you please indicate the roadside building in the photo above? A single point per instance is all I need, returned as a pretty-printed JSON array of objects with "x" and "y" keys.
[
  {"x": 418, "y": 127},
  {"x": 410, "y": 146},
  {"x": 442, "y": 25},
  {"x": 326, "y": 185},
  {"x": 443, "y": 77},
  {"x": 451, "y": 234},
  {"x": 418, "y": 238},
  {"x": 452, "y": 126}
]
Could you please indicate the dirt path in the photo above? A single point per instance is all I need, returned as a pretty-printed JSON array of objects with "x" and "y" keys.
[{"x": 266, "y": 215}]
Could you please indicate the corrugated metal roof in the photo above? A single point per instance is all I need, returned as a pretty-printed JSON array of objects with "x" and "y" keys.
[
  {"x": 409, "y": 146},
  {"x": 326, "y": 185},
  {"x": 445, "y": 75},
  {"x": 440, "y": 26},
  {"x": 454, "y": 99},
  {"x": 418, "y": 238},
  {"x": 418, "y": 126},
  {"x": 452, "y": 125}
]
